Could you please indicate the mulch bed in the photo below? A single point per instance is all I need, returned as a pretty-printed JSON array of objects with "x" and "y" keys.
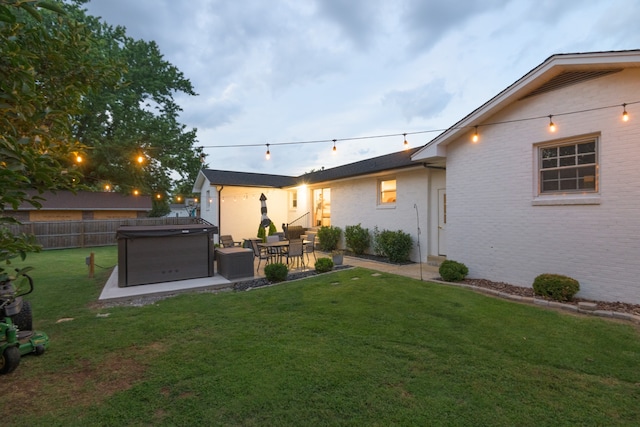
[{"x": 620, "y": 307}]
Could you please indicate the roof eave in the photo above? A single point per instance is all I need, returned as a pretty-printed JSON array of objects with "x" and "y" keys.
[{"x": 550, "y": 68}]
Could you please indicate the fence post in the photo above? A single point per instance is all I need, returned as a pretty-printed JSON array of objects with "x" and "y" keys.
[{"x": 92, "y": 265}]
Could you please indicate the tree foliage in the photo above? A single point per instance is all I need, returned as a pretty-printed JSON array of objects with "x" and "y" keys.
[
  {"x": 47, "y": 65},
  {"x": 136, "y": 117},
  {"x": 71, "y": 85}
]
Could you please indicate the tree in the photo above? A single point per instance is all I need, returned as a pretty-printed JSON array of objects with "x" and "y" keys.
[
  {"x": 45, "y": 71},
  {"x": 137, "y": 118}
]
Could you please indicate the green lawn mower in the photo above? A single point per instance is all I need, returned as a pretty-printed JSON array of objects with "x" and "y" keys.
[{"x": 17, "y": 337}]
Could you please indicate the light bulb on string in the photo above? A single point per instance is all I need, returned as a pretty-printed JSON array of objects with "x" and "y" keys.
[
  {"x": 268, "y": 154},
  {"x": 334, "y": 147},
  {"x": 552, "y": 126},
  {"x": 405, "y": 143},
  {"x": 625, "y": 115},
  {"x": 475, "y": 137}
]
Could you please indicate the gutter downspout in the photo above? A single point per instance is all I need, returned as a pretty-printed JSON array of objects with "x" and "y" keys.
[{"x": 219, "y": 189}]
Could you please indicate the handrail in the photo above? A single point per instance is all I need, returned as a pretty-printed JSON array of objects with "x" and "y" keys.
[{"x": 304, "y": 216}]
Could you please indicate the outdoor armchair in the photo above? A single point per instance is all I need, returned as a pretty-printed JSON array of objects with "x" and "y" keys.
[
  {"x": 260, "y": 253},
  {"x": 227, "y": 241},
  {"x": 296, "y": 251}
]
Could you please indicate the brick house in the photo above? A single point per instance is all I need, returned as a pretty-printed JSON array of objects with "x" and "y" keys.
[
  {"x": 523, "y": 200},
  {"x": 386, "y": 191},
  {"x": 518, "y": 202}
]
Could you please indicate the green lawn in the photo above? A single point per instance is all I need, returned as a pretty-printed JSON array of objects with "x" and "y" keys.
[{"x": 345, "y": 348}]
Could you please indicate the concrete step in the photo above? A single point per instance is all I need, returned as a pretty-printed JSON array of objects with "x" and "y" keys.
[{"x": 435, "y": 260}]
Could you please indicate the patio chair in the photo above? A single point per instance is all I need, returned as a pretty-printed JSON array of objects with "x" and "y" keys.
[
  {"x": 296, "y": 251},
  {"x": 227, "y": 241},
  {"x": 276, "y": 253},
  {"x": 310, "y": 247},
  {"x": 260, "y": 253}
]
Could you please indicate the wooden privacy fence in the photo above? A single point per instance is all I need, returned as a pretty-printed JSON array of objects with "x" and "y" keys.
[{"x": 81, "y": 234}]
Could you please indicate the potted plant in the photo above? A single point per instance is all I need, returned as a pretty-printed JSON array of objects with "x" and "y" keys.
[{"x": 337, "y": 256}]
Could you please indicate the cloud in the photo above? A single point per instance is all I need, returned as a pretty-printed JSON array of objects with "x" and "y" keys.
[
  {"x": 429, "y": 21},
  {"x": 359, "y": 21},
  {"x": 424, "y": 102}
]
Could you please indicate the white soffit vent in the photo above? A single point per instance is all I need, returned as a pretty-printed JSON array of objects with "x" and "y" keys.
[{"x": 569, "y": 78}]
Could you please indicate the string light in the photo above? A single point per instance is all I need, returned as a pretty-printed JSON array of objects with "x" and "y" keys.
[
  {"x": 625, "y": 115},
  {"x": 334, "y": 147},
  {"x": 475, "y": 136}
]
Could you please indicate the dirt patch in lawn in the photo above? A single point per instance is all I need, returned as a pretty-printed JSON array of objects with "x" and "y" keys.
[{"x": 81, "y": 385}]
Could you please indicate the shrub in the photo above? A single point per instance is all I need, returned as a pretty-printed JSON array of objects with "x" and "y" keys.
[
  {"x": 328, "y": 238},
  {"x": 323, "y": 265},
  {"x": 276, "y": 272},
  {"x": 357, "y": 238},
  {"x": 262, "y": 232},
  {"x": 556, "y": 287},
  {"x": 395, "y": 245},
  {"x": 453, "y": 271},
  {"x": 377, "y": 247}
]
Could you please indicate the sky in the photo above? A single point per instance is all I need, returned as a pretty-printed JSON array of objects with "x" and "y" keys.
[{"x": 280, "y": 72}]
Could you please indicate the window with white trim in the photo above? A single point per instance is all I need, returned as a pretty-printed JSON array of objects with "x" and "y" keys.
[
  {"x": 293, "y": 199},
  {"x": 568, "y": 167},
  {"x": 387, "y": 191}
]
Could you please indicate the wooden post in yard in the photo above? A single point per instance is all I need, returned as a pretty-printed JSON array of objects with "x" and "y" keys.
[{"x": 92, "y": 265}]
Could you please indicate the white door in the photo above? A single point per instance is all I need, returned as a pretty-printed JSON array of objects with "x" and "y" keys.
[{"x": 442, "y": 221}]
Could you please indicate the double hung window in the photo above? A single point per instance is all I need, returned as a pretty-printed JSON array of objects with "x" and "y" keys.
[
  {"x": 387, "y": 191},
  {"x": 568, "y": 167}
]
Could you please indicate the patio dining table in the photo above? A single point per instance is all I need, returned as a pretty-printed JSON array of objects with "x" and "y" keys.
[{"x": 278, "y": 249}]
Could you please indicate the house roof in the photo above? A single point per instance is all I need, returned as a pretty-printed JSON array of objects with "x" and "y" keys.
[
  {"x": 246, "y": 179},
  {"x": 388, "y": 162},
  {"x": 86, "y": 200},
  {"x": 555, "y": 72}
]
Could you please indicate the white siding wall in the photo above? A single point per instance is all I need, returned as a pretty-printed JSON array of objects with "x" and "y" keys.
[
  {"x": 241, "y": 213},
  {"x": 493, "y": 226},
  {"x": 355, "y": 202},
  {"x": 240, "y": 209}
]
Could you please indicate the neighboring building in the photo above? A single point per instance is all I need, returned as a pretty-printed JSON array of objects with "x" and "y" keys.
[
  {"x": 183, "y": 210},
  {"x": 83, "y": 205},
  {"x": 524, "y": 201}
]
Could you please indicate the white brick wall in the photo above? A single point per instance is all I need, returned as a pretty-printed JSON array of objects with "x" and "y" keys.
[
  {"x": 493, "y": 226},
  {"x": 355, "y": 202}
]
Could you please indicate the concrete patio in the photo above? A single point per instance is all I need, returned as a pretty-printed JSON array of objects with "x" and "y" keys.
[{"x": 111, "y": 291}]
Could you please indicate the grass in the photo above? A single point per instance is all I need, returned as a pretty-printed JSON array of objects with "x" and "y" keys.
[{"x": 345, "y": 348}]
